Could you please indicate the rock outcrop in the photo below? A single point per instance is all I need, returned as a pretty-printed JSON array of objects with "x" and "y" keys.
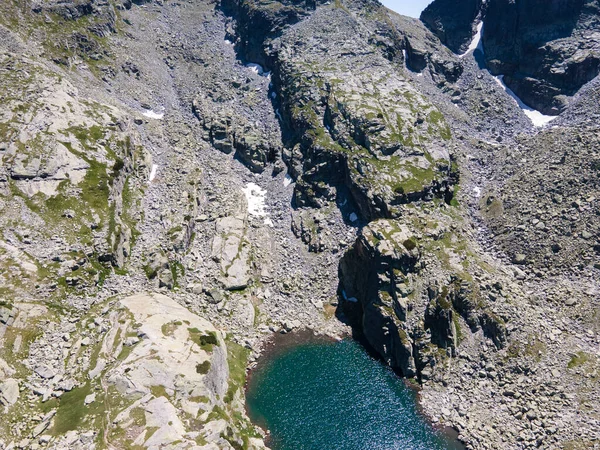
[
  {"x": 172, "y": 370},
  {"x": 546, "y": 50},
  {"x": 389, "y": 297},
  {"x": 381, "y": 140},
  {"x": 375, "y": 281},
  {"x": 453, "y": 23}
]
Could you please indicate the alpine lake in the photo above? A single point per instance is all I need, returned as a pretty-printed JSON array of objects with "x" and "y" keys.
[{"x": 320, "y": 394}]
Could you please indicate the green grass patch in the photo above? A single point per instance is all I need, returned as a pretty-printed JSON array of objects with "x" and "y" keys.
[
  {"x": 578, "y": 359},
  {"x": 71, "y": 410},
  {"x": 159, "y": 391},
  {"x": 237, "y": 359},
  {"x": 204, "y": 341},
  {"x": 138, "y": 415},
  {"x": 203, "y": 367},
  {"x": 169, "y": 328},
  {"x": 125, "y": 352}
]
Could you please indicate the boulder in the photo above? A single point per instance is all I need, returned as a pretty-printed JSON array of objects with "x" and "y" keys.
[{"x": 9, "y": 391}]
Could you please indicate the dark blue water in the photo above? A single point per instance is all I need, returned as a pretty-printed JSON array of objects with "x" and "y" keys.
[{"x": 334, "y": 396}]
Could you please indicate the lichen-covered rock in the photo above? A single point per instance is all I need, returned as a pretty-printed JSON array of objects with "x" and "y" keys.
[
  {"x": 383, "y": 295},
  {"x": 231, "y": 250},
  {"x": 375, "y": 279},
  {"x": 367, "y": 129}
]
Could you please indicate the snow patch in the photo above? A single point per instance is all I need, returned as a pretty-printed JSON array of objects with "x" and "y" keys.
[
  {"x": 258, "y": 69},
  {"x": 255, "y": 196},
  {"x": 152, "y": 173},
  {"x": 153, "y": 114},
  {"x": 228, "y": 42},
  {"x": 537, "y": 118},
  {"x": 287, "y": 180},
  {"x": 353, "y": 217},
  {"x": 476, "y": 42},
  {"x": 477, "y": 191}
]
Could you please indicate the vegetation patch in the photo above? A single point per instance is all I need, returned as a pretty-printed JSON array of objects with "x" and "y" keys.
[
  {"x": 177, "y": 270},
  {"x": 159, "y": 391},
  {"x": 72, "y": 411},
  {"x": 203, "y": 367},
  {"x": 204, "y": 341},
  {"x": 237, "y": 359},
  {"x": 579, "y": 359},
  {"x": 532, "y": 348},
  {"x": 169, "y": 328},
  {"x": 410, "y": 244}
]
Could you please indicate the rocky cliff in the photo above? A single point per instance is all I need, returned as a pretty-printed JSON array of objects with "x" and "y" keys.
[
  {"x": 179, "y": 180},
  {"x": 546, "y": 50}
]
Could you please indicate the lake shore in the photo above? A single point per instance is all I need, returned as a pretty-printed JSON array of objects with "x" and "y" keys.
[{"x": 278, "y": 345}]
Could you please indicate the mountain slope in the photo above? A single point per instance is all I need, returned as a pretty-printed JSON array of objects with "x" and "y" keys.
[{"x": 255, "y": 167}]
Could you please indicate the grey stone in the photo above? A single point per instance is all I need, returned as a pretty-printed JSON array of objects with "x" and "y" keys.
[{"x": 9, "y": 391}]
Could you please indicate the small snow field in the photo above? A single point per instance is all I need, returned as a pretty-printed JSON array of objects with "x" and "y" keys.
[
  {"x": 255, "y": 196},
  {"x": 152, "y": 173},
  {"x": 476, "y": 42},
  {"x": 537, "y": 118},
  {"x": 153, "y": 114},
  {"x": 287, "y": 180},
  {"x": 258, "y": 69}
]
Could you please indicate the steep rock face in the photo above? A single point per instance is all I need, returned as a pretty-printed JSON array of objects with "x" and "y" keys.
[
  {"x": 410, "y": 316},
  {"x": 375, "y": 278},
  {"x": 453, "y": 22},
  {"x": 546, "y": 49},
  {"x": 254, "y": 142},
  {"x": 368, "y": 130},
  {"x": 259, "y": 22}
]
